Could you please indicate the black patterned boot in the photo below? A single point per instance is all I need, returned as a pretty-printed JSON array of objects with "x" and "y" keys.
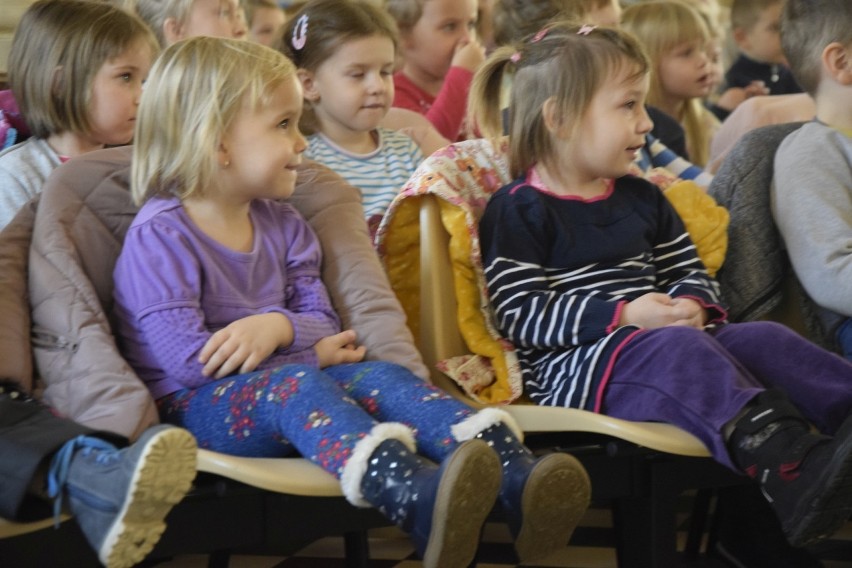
[{"x": 806, "y": 477}]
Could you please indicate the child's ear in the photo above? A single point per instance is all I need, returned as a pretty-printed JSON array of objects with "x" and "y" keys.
[
  {"x": 309, "y": 89},
  {"x": 222, "y": 156},
  {"x": 837, "y": 63},
  {"x": 740, "y": 37},
  {"x": 552, "y": 116},
  {"x": 405, "y": 41},
  {"x": 172, "y": 30}
]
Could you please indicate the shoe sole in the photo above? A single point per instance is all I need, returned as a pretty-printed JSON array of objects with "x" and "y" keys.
[
  {"x": 466, "y": 494},
  {"x": 828, "y": 502},
  {"x": 164, "y": 473},
  {"x": 556, "y": 496}
]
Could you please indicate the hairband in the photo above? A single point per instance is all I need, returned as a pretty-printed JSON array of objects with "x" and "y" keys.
[
  {"x": 300, "y": 33},
  {"x": 585, "y": 30},
  {"x": 539, "y": 35}
]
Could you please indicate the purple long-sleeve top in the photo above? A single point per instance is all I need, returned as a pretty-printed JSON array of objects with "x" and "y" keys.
[{"x": 175, "y": 287}]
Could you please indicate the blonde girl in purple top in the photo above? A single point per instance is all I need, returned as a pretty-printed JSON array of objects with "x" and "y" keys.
[{"x": 219, "y": 307}]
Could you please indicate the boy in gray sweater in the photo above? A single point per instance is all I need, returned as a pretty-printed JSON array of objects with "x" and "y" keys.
[{"x": 812, "y": 191}]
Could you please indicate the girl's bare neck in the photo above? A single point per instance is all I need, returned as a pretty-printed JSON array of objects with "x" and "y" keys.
[
  {"x": 225, "y": 221},
  {"x": 70, "y": 144},
  {"x": 672, "y": 106},
  {"x": 355, "y": 141},
  {"x": 567, "y": 182}
]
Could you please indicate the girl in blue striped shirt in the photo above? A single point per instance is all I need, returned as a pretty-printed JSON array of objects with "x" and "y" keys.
[{"x": 345, "y": 52}]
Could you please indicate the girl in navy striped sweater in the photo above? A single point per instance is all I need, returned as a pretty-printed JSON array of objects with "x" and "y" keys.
[{"x": 594, "y": 279}]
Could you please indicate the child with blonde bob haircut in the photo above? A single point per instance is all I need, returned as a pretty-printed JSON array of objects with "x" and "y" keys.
[
  {"x": 173, "y": 20},
  {"x": 593, "y": 278},
  {"x": 220, "y": 309},
  {"x": 676, "y": 38},
  {"x": 76, "y": 70}
]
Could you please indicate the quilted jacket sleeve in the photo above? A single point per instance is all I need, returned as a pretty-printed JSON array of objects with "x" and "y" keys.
[
  {"x": 15, "y": 355},
  {"x": 84, "y": 211}
]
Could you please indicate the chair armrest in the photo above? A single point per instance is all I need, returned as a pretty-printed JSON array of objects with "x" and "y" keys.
[{"x": 292, "y": 476}]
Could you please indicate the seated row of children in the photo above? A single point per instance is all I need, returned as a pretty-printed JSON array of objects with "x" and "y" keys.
[
  {"x": 631, "y": 315},
  {"x": 439, "y": 53}
]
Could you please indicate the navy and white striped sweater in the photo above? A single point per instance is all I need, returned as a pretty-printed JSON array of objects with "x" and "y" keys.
[{"x": 560, "y": 269}]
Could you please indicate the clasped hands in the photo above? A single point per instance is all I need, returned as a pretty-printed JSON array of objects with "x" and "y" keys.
[{"x": 245, "y": 343}]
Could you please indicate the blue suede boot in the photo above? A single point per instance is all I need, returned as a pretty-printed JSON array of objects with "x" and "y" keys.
[
  {"x": 120, "y": 498},
  {"x": 442, "y": 509},
  {"x": 543, "y": 498}
]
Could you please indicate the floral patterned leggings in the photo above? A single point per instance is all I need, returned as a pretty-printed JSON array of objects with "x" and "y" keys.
[{"x": 322, "y": 414}]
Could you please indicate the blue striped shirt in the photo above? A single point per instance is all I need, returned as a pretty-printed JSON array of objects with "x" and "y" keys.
[
  {"x": 559, "y": 271},
  {"x": 379, "y": 175}
]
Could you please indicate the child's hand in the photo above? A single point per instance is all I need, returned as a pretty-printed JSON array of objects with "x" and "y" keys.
[
  {"x": 244, "y": 344},
  {"x": 338, "y": 349},
  {"x": 653, "y": 310},
  {"x": 694, "y": 314},
  {"x": 469, "y": 55},
  {"x": 733, "y": 97}
]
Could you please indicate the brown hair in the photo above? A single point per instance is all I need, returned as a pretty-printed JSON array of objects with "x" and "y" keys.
[
  {"x": 807, "y": 27},
  {"x": 746, "y": 13},
  {"x": 58, "y": 48},
  {"x": 556, "y": 63},
  {"x": 406, "y": 13},
  {"x": 320, "y": 27}
]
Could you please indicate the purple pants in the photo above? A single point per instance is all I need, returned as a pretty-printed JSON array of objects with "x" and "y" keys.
[{"x": 700, "y": 381}]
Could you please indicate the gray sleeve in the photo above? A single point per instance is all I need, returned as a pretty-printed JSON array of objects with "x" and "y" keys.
[
  {"x": 811, "y": 203},
  {"x": 23, "y": 171},
  {"x": 14, "y": 194}
]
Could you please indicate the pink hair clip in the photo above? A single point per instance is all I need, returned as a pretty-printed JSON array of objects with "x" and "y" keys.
[
  {"x": 585, "y": 29},
  {"x": 300, "y": 33},
  {"x": 515, "y": 57},
  {"x": 539, "y": 35}
]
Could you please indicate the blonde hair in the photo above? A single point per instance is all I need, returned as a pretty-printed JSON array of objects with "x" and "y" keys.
[
  {"x": 557, "y": 63},
  {"x": 807, "y": 27},
  {"x": 58, "y": 48},
  {"x": 156, "y": 12},
  {"x": 662, "y": 26},
  {"x": 196, "y": 89}
]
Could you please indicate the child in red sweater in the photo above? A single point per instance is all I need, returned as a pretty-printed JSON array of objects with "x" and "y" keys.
[{"x": 441, "y": 52}]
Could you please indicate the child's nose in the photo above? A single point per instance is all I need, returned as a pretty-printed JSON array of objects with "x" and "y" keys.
[
  {"x": 376, "y": 84},
  {"x": 645, "y": 123},
  {"x": 301, "y": 143}
]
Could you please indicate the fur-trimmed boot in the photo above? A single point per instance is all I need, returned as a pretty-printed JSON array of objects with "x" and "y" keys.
[
  {"x": 441, "y": 508},
  {"x": 806, "y": 477},
  {"x": 543, "y": 498}
]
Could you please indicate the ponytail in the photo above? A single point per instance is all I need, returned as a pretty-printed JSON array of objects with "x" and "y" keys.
[{"x": 484, "y": 108}]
